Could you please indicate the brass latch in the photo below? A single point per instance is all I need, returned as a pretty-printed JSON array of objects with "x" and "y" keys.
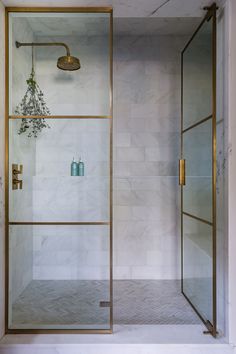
[
  {"x": 16, "y": 170},
  {"x": 182, "y": 172}
]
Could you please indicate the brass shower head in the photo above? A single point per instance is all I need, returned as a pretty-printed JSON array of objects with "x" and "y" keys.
[{"x": 66, "y": 62}]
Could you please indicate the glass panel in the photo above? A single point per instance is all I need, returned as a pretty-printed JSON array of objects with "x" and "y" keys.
[
  {"x": 197, "y": 265},
  {"x": 58, "y": 277},
  {"x": 49, "y": 191},
  {"x": 197, "y": 151},
  {"x": 82, "y": 92},
  {"x": 197, "y": 77}
]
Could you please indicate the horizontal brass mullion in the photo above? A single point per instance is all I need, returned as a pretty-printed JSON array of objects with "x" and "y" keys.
[
  {"x": 59, "y": 117},
  {"x": 196, "y": 124},
  {"x": 58, "y": 223},
  {"x": 58, "y": 331},
  {"x": 100, "y": 9},
  {"x": 197, "y": 218}
]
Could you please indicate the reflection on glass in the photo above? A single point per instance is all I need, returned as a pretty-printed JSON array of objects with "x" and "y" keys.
[
  {"x": 81, "y": 92},
  {"x": 58, "y": 277},
  {"x": 197, "y": 77},
  {"x": 197, "y": 265},
  {"x": 197, "y": 151},
  {"x": 49, "y": 191}
]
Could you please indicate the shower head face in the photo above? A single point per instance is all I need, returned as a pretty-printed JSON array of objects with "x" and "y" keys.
[{"x": 68, "y": 63}]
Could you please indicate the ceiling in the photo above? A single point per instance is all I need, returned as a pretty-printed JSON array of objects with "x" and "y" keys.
[{"x": 130, "y": 8}]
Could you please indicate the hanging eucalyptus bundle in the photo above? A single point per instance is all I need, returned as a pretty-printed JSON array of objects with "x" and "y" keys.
[{"x": 32, "y": 104}]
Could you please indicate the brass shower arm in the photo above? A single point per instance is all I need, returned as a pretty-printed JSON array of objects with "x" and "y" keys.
[{"x": 34, "y": 44}]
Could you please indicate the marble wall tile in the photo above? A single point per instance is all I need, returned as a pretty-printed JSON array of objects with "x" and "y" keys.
[
  {"x": 146, "y": 200},
  {"x": 77, "y": 92},
  {"x": 159, "y": 168},
  {"x": 129, "y": 154},
  {"x": 122, "y": 140},
  {"x": 71, "y": 252}
]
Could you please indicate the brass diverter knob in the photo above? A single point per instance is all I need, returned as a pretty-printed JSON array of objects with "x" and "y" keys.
[{"x": 16, "y": 182}]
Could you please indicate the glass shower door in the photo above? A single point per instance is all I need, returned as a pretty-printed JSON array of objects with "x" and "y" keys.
[
  {"x": 198, "y": 171},
  {"x": 59, "y": 218}
]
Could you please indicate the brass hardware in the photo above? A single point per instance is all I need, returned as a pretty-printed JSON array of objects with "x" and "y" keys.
[
  {"x": 67, "y": 62},
  {"x": 182, "y": 172},
  {"x": 16, "y": 170}
]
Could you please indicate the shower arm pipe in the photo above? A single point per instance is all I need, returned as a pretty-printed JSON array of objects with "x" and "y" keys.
[{"x": 42, "y": 44}]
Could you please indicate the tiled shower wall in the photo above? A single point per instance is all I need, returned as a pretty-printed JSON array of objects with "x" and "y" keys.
[{"x": 146, "y": 151}]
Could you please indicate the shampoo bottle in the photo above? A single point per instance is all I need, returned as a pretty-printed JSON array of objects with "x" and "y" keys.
[
  {"x": 81, "y": 168},
  {"x": 74, "y": 168}
]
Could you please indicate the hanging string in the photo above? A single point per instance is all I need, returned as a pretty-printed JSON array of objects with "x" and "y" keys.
[{"x": 32, "y": 59}]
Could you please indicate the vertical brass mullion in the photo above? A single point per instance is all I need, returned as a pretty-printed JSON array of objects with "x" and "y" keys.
[
  {"x": 214, "y": 244},
  {"x": 181, "y": 196},
  {"x": 6, "y": 170},
  {"x": 111, "y": 167}
]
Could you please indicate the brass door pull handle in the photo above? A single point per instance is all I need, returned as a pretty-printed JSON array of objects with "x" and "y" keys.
[{"x": 182, "y": 172}]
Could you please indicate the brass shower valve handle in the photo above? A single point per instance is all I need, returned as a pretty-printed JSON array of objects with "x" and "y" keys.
[
  {"x": 17, "y": 182},
  {"x": 16, "y": 170}
]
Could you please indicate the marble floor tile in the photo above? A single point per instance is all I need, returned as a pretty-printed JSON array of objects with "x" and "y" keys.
[{"x": 76, "y": 302}]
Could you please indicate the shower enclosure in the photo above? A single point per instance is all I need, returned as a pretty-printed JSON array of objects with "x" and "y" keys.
[
  {"x": 59, "y": 172},
  {"x": 58, "y": 226}
]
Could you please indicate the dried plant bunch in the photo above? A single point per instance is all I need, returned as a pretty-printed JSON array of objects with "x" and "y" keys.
[{"x": 32, "y": 104}]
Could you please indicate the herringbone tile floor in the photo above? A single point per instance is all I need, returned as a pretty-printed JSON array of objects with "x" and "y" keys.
[{"x": 76, "y": 302}]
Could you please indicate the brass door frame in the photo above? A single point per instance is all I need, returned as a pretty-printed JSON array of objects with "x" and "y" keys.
[
  {"x": 8, "y": 10},
  {"x": 211, "y": 327}
]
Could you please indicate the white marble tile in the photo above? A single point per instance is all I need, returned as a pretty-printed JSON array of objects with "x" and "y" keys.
[
  {"x": 124, "y": 154},
  {"x": 122, "y": 140},
  {"x": 122, "y": 213}
]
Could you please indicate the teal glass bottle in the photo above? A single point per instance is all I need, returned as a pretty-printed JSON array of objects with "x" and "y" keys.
[
  {"x": 74, "y": 170},
  {"x": 81, "y": 168}
]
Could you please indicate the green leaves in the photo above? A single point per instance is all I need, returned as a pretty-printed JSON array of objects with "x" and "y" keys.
[{"x": 32, "y": 104}]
